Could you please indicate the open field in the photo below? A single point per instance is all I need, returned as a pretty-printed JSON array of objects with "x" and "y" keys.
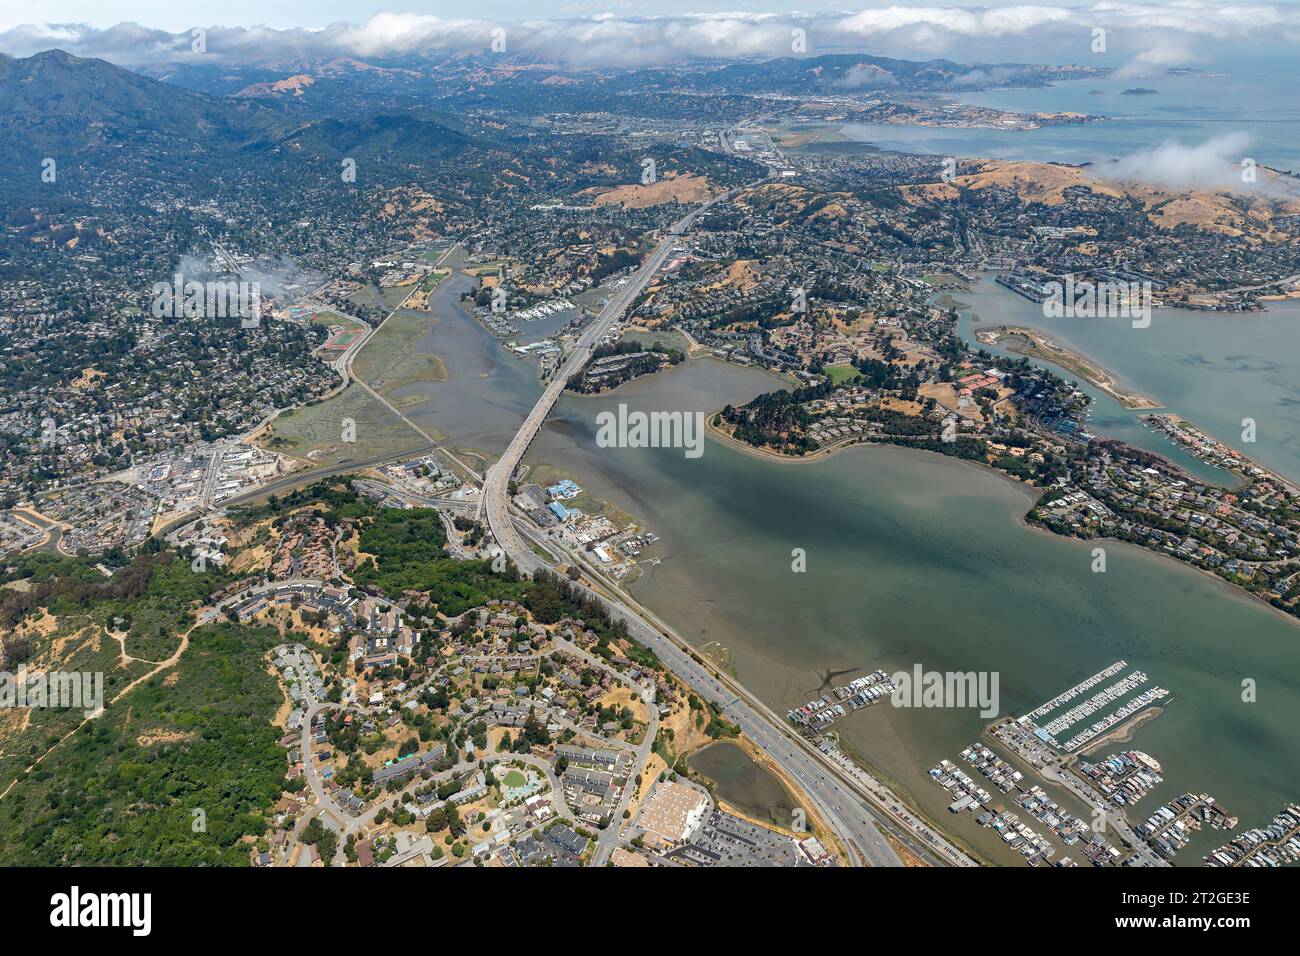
[
  {"x": 366, "y": 296},
  {"x": 395, "y": 295},
  {"x": 315, "y": 433},
  {"x": 840, "y": 373},
  {"x": 668, "y": 338},
  {"x": 684, "y": 189}
]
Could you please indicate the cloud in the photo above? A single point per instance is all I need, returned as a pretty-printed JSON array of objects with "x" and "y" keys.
[
  {"x": 1215, "y": 163},
  {"x": 865, "y": 76},
  {"x": 1155, "y": 61},
  {"x": 955, "y": 21},
  {"x": 1057, "y": 33}
]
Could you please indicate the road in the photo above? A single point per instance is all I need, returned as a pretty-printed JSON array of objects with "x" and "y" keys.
[
  {"x": 855, "y": 822},
  {"x": 610, "y": 836},
  {"x": 343, "y": 365},
  {"x": 496, "y": 488},
  {"x": 838, "y": 799},
  {"x": 1103, "y": 810},
  {"x": 1285, "y": 280}
]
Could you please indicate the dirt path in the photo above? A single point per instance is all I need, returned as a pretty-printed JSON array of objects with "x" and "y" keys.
[{"x": 162, "y": 666}]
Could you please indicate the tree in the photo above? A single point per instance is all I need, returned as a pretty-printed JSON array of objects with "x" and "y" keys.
[{"x": 324, "y": 839}]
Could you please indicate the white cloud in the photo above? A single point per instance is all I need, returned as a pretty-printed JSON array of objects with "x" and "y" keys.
[
  {"x": 1037, "y": 32},
  {"x": 1213, "y": 163},
  {"x": 1156, "y": 60}
]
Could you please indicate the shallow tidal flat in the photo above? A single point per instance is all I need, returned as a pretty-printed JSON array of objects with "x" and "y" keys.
[
  {"x": 1032, "y": 343},
  {"x": 316, "y": 433},
  {"x": 392, "y": 361},
  {"x": 912, "y": 558},
  {"x": 916, "y": 558}
]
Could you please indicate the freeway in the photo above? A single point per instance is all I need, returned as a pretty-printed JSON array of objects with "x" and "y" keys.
[
  {"x": 854, "y": 823},
  {"x": 844, "y": 798},
  {"x": 295, "y": 480},
  {"x": 496, "y": 487},
  {"x": 839, "y": 799}
]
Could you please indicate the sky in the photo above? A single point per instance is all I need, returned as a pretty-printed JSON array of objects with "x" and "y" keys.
[
  {"x": 178, "y": 15},
  {"x": 1141, "y": 34}
]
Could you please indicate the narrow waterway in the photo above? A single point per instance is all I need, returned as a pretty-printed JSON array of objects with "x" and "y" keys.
[
  {"x": 1214, "y": 369},
  {"x": 911, "y": 558}
]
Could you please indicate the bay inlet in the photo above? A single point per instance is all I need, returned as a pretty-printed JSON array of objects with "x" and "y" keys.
[{"x": 911, "y": 558}]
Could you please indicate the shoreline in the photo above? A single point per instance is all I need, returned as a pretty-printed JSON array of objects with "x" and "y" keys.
[
  {"x": 1045, "y": 348},
  {"x": 1121, "y": 734},
  {"x": 1230, "y": 588},
  {"x": 1032, "y": 494},
  {"x": 765, "y": 453},
  {"x": 1246, "y": 459}
]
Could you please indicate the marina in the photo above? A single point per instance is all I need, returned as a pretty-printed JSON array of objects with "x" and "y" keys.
[
  {"x": 1004, "y": 776},
  {"x": 1095, "y": 703},
  {"x": 1033, "y": 847},
  {"x": 1170, "y": 828},
  {"x": 1041, "y": 807},
  {"x": 1123, "y": 778},
  {"x": 1274, "y": 845},
  {"x": 1159, "y": 618},
  {"x": 541, "y": 310},
  {"x": 1050, "y": 731},
  {"x": 816, "y": 715},
  {"x": 1077, "y": 689},
  {"x": 966, "y": 793},
  {"x": 1033, "y": 799},
  {"x": 1134, "y": 706}
]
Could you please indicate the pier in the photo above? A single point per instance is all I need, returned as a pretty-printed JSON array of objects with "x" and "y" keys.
[
  {"x": 1274, "y": 845},
  {"x": 816, "y": 715},
  {"x": 1170, "y": 828},
  {"x": 1051, "y": 731}
]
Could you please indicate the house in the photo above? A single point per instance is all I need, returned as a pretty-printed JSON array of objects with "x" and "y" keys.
[
  {"x": 567, "y": 839},
  {"x": 603, "y": 758}
]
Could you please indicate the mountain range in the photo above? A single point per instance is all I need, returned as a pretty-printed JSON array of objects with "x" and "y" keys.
[{"x": 95, "y": 118}]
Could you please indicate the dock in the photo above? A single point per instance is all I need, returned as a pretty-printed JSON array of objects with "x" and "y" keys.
[
  {"x": 1274, "y": 845},
  {"x": 1112, "y": 691},
  {"x": 1170, "y": 828},
  {"x": 816, "y": 715}
]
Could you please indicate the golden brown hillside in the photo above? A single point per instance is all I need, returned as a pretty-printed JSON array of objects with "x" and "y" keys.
[
  {"x": 689, "y": 188},
  {"x": 1230, "y": 212}
]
